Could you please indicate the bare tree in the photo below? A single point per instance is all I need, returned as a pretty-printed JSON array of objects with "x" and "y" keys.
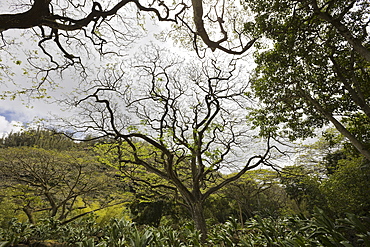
[
  {"x": 55, "y": 182},
  {"x": 69, "y": 40},
  {"x": 179, "y": 120},
  {"x": 100, "y": 21}
]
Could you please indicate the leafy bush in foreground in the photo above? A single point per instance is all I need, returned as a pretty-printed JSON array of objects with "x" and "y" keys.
[{"x": 320, "y": 230}]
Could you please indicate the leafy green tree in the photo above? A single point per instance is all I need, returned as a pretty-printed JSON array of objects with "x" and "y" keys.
[
  {"x": 40, "y": 138},
  {"x": 334, "y": 180},
  {"x": 303, "y": 186},
  {"x": 346, "y": 189},
  {"x": 256, "y": 193},
  {"x": 316, "y": 70},
  {"x": 53, "y": 183}
]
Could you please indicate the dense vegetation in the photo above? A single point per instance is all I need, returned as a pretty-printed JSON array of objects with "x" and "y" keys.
[
  {"x": 286, "y": 231},
  {"x": 169, "y": 148},
  {"x": 42, "y": 200}
]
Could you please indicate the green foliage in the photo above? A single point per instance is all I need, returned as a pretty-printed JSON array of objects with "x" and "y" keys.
[
  {"x": 52, "y": 183},
  {"x": 15, "y": 232},
  {"x": 226, "y": 234},
  {"x": 48, "y": 229},
  {"x": 331, "y": 176},
  {"x": 303, "y": 186},
  {"x": 40, "y": 138},
  {"x": 140, "y": 239},
  {"x": 148, "y": 213},
  {"x": 152, "y": 197},
  {"x": 347, "y": 189},
  {"x": 310, "y": 71},
  {"x": 257, "y": 192},
  {"x": 256, "y": 198},
  {"x": 123, "y": 233},
  {"x": 320, "y": 230},
  {"x": 359, "y": 125}
]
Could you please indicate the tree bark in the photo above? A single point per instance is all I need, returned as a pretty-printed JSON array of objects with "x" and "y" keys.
[
  {"x": 31, "y": 18},
  {"x": 356, "y": 95},
  {"x": 28, "y": 211},
  {"x": 344, "y": 31},
  {"x": 328, "y": 115},
  {"x": 199, "y": 219}
]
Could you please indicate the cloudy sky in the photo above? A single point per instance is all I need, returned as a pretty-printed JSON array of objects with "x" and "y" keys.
[
  {"x": 18, "y": 113},
  {"x": 15, "y": 73},
  {"x": 22, "y": 110}
]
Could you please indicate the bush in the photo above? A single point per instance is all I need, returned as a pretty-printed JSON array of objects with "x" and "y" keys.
[{"x": 320, "y": 230}]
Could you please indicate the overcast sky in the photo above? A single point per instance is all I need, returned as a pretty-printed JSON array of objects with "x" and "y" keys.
[
  {"x": 13, "y": 113},
  {"x": 23, "y": 110}
]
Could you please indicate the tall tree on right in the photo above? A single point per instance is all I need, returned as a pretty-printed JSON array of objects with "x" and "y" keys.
[
  {"x": 336, "y": 180},
  {"x": 316, "y": 70}
]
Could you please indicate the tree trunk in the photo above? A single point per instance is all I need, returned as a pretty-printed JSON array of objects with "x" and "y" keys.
[
  {"x": 199, "y": 220},
  {"x": 342, "y": 129},
  {"x": 344, "y": 31},
  {"x": 241, "y": 214},
  {"x": 28, "y": 211}
]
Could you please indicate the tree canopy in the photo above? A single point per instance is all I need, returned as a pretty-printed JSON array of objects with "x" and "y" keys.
[
  {"x": 317, "y": 69},
  {"x": 181, "y": 121},
  {"x": 47, "y": 174},
  {"x": 99, "y": 21}
]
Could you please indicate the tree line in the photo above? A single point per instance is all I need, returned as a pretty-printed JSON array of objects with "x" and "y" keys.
[{"x": 46, "y": 175}]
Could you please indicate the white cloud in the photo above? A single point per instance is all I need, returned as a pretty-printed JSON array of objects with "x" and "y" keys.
[{"x": 7, "y": 127}]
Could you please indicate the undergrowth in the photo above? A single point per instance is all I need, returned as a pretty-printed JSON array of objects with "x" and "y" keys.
[{"x": 319, "y": 230}]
